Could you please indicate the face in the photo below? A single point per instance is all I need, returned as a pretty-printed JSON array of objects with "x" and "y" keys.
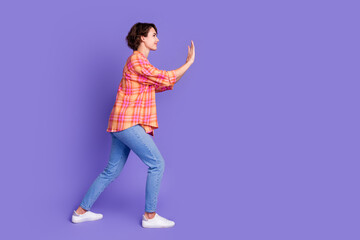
[{"x": 151, "y": 40}]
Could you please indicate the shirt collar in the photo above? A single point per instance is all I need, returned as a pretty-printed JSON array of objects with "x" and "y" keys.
[{"x": 137, "y": 52}]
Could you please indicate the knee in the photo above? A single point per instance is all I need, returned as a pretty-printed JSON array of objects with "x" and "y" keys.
[
  {"x": 160, "y": 165},
  {"x": 157, "y": 165},
  {"x": 110, "y": 173}
]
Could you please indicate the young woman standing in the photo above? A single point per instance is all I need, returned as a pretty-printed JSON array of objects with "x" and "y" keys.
[{"x": 132, "y": 122}]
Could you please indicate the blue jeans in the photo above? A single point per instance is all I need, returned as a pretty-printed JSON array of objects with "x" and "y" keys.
[{"x": 136, "y": 139}]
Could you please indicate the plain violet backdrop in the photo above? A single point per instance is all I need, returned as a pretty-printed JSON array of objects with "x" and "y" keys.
[{"x": 260, "y": 136}]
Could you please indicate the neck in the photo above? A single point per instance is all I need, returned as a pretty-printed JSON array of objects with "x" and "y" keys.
[{"x": 144, "y": 50}]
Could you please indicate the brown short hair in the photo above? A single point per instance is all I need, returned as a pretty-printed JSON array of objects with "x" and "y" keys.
[{"x": 138, "y": 29}]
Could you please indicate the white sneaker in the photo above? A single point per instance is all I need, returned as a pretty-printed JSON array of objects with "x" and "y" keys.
[
  {"x": 157, "y": 222},
  {"x": 88, "y": 216}
]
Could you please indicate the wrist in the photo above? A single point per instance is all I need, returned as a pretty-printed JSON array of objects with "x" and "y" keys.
[{"x": 188, "y": 63}]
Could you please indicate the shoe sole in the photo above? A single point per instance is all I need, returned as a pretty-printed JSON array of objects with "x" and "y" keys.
[
  {"x": 144, "y": 225},
  {"x": 74, "y": 220}
]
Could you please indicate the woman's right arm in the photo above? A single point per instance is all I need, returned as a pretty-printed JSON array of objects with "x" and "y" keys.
[
  {"x": 160, "y": 78},
  {"x": 189, "y": 61}
]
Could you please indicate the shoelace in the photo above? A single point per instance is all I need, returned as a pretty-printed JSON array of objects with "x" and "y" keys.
[{"x": 163, "y": 219}]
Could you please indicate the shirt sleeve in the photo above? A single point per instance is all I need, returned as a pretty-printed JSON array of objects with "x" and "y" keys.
[
  {"x": 150, "y": 75},
  {"x": 163, "y": 88}
]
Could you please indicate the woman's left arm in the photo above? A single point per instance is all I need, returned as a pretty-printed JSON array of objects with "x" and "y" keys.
[{"x": 163, "y": 88}]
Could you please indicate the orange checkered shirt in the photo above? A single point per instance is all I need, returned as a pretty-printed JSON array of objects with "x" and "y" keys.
[{"x": 135, "y": 99}]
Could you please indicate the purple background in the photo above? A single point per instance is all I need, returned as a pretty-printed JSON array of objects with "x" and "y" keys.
[{"x": 260, "y": 136}]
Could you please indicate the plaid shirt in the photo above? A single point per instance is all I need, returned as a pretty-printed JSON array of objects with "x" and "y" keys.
[{"x": 135, "y": 99}]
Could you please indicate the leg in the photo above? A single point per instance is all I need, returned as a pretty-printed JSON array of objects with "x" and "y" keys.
[
  {"x": 144, "y": 147},
  {"x": 118, "y": 156}
]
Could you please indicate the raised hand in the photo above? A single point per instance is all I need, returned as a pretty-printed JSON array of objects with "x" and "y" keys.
[{"x": 191, "y": 53}]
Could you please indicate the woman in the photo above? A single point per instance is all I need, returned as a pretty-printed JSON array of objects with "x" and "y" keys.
[{"x": 132, "y": 121}]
